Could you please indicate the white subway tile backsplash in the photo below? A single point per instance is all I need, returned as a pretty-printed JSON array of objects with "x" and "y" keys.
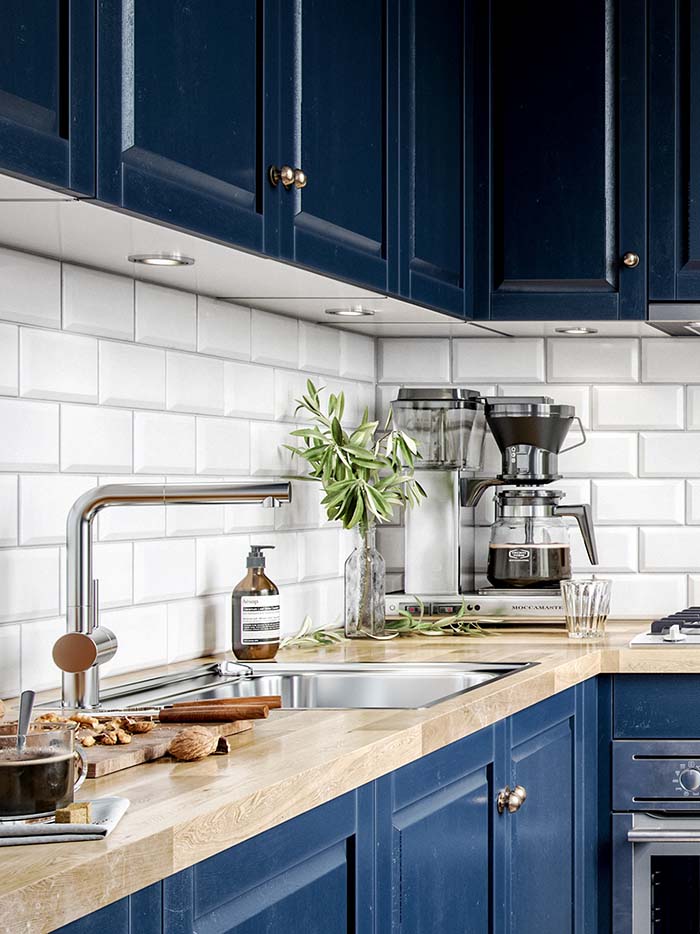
[
  {"x": 406, "y": 360},
  {"x": 31, "y": 289},
  {"x": 281, "y": 564},
  {"x": 221, "y": 563},
  {"x": 693, "y": 408},
  {"x": 646, "y": 596},
  {"x": 166, "y": 317},
  {"x": 45, "y": 500},
  {"x": 95, "y": 439},
  {"x": 127, "y": 522},
  {"x": 669, "y": 454},
  {"x": 199, "y": 627},
  {"x": 223, "y": 329},
  {"x": 670, "y": 549},
  {"x": 304, "y": 511},
  {"x": 8, "y": 509},
  {"x": 194, "y": 520},
  {"x": 142, "y": 632},
  {"x": 638, "y": 502},
  {"x": 319, "y": 348},
  {"x": 37, "y": 667},
  {"x": 95, "y": 302},
  {"x": 164, "y": 570},
  {"x": 9, "y": 364},
  {"x": 357, "y": 356},
  {"x": 55, "y": 365},
  {"x": 274, "y": 339},
  {"x": 248, "y": 517},
  {"x": 499, "y": 360},
  {"x": 268, "y": 457},
  {"x": 249, "y": 390},
  {"x": 671, "y": 360},
  {"x": 638, "y": 407},
  {"x": 113, "y": 566},
  {"x": 164, "y": 443},
  {"x": 611, "y": 454},
  {"x": 9, "y": 661},
  {"x": 132, "y": 376},
  {"x": 290, "y": 386},
  {"x": 617, "y": 551},
  {"x": 194, "y": 384},
  {"x": 592, "y": 360},
  {"x": 30, "y": 435},
  {"x": 693, "y": 502},
  {"x": 223, "y": 446},
  {"x": 319, "y": 554},
  {"x": 28, "y": 583}
]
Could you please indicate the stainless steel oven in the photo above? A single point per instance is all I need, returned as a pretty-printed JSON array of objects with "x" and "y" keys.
[{"x": 656, "y": 837}]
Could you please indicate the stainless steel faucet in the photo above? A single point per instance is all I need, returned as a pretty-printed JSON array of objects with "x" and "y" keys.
[{"x": 86, "y": 644}]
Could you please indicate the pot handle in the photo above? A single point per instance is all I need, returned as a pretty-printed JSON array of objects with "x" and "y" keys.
[
  {"x": 82, "y": 775},
  {"x": 582, "y": 514},
  {"x": 578, "y": 443}
]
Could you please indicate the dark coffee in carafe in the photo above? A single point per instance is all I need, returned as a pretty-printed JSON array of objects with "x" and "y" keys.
[
  {"x": 35, "y": 781},
  {"x": 528, "y": 565}
]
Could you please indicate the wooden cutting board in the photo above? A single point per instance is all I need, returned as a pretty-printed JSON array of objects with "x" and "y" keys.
[{"x": 144, "y": 747}]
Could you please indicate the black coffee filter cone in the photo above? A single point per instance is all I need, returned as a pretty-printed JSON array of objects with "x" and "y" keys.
[{"x": 547, "y": 432}]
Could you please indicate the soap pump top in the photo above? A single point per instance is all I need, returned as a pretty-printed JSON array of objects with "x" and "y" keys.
[{"x": 256, "y": 558}]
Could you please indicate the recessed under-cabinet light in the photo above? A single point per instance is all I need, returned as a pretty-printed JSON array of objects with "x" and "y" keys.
[
  {"x": 577, "y": 331},
  {"x": 353, "y": 311},
  {"x": 160, "y": 259}
]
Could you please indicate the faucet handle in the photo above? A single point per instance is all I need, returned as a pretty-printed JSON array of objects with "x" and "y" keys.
[
  {"x": 79, "y": 651},
  {"x": 94, "y": 612}
]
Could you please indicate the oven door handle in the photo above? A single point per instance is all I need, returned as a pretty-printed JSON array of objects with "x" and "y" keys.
[{"x": 663, "y": 836}]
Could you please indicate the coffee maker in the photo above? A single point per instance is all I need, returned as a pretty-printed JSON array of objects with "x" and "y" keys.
[{"x": 529, "y": 550}]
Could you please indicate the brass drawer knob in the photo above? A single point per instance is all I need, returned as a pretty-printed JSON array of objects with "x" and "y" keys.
[
  {"x": 284, "y": 174},
  {"x": 630, "y": 260},
  {"x": 300, "y": 178},
  {"x": 511, "y": 799}
]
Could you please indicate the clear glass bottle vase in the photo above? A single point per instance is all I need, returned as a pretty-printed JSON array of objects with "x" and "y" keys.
[{"x": 364, "y": 587}]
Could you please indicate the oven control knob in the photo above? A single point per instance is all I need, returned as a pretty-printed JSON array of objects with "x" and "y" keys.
[{"x": 689, "y": 779}]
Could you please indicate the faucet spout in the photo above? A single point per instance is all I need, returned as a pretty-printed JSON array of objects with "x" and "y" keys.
[{"x": 86, "y": 645}]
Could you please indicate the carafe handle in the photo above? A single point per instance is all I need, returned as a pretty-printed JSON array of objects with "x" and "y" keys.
[{"x": 582, "y": 514}]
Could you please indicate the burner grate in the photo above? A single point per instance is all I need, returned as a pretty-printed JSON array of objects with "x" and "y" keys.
[{"x": 688, "y": 620}]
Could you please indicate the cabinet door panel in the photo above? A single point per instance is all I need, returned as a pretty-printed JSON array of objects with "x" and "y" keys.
[
  {"x": 47, "y": 72},
  {"x": 432, "y": 182},
  {"x": 311, "y": 874},
  {"x": 333, "y": 122},
  {"x": 181, "y": 104},
  {"x": 674, "y": 156},
  {"x": 139, "y": 913},
  {"x": 567, "y": 166},
  {"x": 435, "y": 841}
]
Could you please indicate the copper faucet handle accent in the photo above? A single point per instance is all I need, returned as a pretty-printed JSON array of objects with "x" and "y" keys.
[{"x": 78, "y": 651}]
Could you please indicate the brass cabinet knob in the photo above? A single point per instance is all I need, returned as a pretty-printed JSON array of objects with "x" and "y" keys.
[
  {"x": 284, "y": 174},
  {"x": 630, "y": 260},
  {"x": 300, "y": 178},
  {"x": 511, "y": 799}
]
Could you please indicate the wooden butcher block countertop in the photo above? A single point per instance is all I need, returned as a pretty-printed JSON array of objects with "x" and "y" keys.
[{"x": 182, "y": 813}]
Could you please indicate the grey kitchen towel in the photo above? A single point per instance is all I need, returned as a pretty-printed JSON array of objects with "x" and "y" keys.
[{"x": 106, "y": 814}]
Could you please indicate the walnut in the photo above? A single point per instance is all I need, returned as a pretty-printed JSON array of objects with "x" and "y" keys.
[
  {"x": 123, "y": 737},
  {"x": 51, "y": 717},
  {"x": 137, "y": 726},
  {"x": 107, "y": 739},
  {"x": 196, "y": 742},
  {"x": 88, "y": 741},
  {"x": 85, "y": 720}
]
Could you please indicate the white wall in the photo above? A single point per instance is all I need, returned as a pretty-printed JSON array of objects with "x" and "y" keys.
[
  {"x": 640, "y": 403},
  {"x": 103, "y": 378}
]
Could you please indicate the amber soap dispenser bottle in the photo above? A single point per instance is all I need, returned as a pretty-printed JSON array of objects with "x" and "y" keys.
[{"x": 256, "y": 611}]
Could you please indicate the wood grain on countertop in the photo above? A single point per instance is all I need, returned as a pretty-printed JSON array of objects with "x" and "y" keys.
[{"x": 182, "y": 813}]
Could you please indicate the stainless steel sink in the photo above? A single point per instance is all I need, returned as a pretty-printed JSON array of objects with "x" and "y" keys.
[{"x": 362, "y": 685}]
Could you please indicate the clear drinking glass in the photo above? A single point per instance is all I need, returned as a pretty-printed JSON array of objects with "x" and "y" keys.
[
  {"x": 586, "y": 606},
  {"x": 364, "y": 588}
]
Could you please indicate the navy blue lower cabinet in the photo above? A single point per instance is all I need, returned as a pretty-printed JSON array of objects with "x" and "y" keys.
[
  {"x": 311, "y": 875},
  {"x": 140, "y": 913},
  {"x": 551, "y": 854}
]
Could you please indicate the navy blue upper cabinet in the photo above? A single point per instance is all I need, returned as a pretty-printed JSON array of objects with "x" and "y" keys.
[
  {"x": 333, "y": 111},
  {"x": 435, "y": 841},
  {"x": 47, "y": 109},
  {"x": 435, "y": 192},
  {"x": 562, "y": 113},
  {"x": 674, "y": 156},
  {"x": 181, "y": 99}
]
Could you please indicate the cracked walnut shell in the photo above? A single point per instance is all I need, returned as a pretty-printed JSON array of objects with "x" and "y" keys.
[{"x": 196, "y": 742}]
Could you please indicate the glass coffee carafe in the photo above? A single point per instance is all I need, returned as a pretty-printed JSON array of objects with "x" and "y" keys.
[{"x": 529, "y": 546}]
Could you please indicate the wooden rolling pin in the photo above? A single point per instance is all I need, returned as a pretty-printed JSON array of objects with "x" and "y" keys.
[
  {"x": 273, "y": 701},
  {"x": 224, "y": 713}
]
